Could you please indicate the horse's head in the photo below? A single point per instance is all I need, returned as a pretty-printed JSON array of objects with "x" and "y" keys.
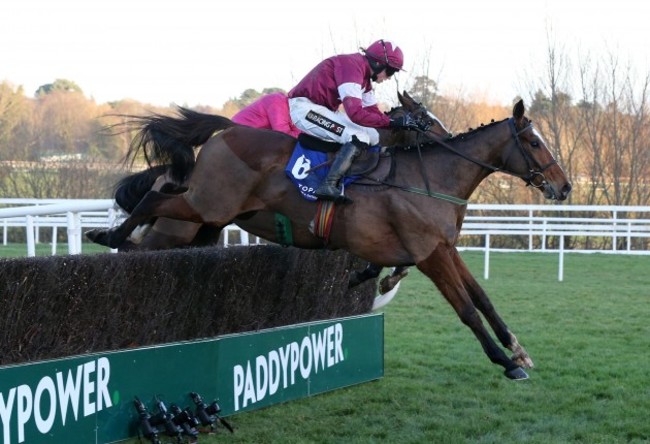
[
  {"x": 436, "y": 130},
  {"x": 434, "y": 125},
  {"x": 536, "y": 165}
]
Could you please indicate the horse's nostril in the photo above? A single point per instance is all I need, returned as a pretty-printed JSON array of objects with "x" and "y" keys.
[{"x": 567, "y": 188}]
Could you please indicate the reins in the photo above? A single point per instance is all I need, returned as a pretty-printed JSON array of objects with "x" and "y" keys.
[
  {"x": 533, "y": 167},
  {"x": 425, "y": 177}
]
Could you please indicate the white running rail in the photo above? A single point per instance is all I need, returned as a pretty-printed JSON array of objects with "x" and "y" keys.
[
  {"x": 33, "y": 214},
  {"x": 76, "y": 216},
  {"x": 625, "y": 228}
]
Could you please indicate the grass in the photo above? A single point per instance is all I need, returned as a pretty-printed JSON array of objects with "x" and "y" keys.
[
  {"x": 587, "y": 335},
  {"x": 45, "y": 249}
]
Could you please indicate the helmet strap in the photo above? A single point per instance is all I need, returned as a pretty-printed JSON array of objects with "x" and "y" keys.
[{"x": 376, "y": 67}]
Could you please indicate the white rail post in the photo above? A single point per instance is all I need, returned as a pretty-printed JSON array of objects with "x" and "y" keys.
[
  {"x": 225, "y": 232},
  {"x": 560, "y": 273},
  {"x": 74, "y": 232},
  {"x": 77, "y": 218},
  {"x": 37, "y": 237},
  {"x": 54, "y": 235},
  {"x": 486, "y": 264},
  {"x": 244, "y": 237},
  {"x": 614, "y": 237},
  {"x": 629, "y": 236},
  {"x": 530, "y": 235},
  {"x": 31, "y": 245}
]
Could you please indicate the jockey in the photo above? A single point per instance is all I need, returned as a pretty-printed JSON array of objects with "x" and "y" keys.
[
  {"x": 271, "y": 111},
  {"x": 315, "y": 106}
]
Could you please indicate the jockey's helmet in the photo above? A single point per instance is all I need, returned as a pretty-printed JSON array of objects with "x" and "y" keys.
[{"x": 384, "y": 54}]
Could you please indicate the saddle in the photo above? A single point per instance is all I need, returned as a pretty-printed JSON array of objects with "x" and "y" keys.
[
  {"x": 364, "y": 163},
  {"x": 312, "y": 157}
]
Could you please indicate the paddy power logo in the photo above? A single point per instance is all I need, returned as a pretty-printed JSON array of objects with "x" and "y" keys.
[
  {"x": 64, "y": 397},
  {"x": 262, "y": 376}
]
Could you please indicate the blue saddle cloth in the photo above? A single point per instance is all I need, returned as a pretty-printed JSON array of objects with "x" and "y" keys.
[{"x": 299, "y": 169}]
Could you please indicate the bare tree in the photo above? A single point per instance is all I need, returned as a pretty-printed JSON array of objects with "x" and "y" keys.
[
  {"x": 552, "y": 112},
  {"x": 615, "y": 110}
]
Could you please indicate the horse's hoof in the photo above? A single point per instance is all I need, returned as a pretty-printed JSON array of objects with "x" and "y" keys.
[
  {"x": 517, "y": 373},
  {"x": 354, "y": 280},
  {"x": 98, "y": 236},
  {"x": 389, "y": 282}
]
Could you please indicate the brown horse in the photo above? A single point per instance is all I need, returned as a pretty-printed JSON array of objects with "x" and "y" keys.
[
  {"x": 164, "y": 233},
  {"x": 167, "y": 233},
  {"x": 408, "y": 212}
]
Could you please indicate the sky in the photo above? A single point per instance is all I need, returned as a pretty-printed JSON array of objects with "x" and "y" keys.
[{"x": 205, "y": 52}]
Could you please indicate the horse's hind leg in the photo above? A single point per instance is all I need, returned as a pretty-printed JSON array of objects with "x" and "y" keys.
[
  {"x": 154, "y": 204},
  {"x": 372, "y": 271},
  {"x": 440, "y": 267},
  {"x": 389, "y": 282},
  {"x": 484, "y": 305},
  {"x": 169, "y": 233}
]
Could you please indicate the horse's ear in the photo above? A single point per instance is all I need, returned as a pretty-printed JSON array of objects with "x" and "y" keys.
[
  {"x": 401, "y": 98},
  {"x": 519, "y": 110}
]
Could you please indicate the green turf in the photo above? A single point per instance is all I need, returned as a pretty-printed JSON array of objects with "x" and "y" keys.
[
  {"x": 45, "y": 249},
  {"x": 589, "y": 338}
]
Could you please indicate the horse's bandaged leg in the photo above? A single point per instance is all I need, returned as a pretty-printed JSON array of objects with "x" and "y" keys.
[
  {"x": 139, "y": 233},
  {"x": 520, "y": 356}
]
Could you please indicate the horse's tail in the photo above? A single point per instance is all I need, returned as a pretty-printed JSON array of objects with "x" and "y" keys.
[
  {"x": 130, "y": 190},
  {"x": 171, "y": 140}
]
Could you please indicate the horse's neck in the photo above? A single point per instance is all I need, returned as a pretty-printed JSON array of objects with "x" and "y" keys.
[
  {"x": 483, "y": 147},
  {"x": 387, "y": 137}
]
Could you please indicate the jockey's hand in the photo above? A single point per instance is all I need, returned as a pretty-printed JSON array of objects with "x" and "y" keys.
[
  {"x": 406, "y": 121},
  {"x": 422, "y": 126}
]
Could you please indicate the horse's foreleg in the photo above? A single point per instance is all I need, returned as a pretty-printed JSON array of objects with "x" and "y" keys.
[
  {"x": 484, "y": 305},
  {"x": 440, "y": 267}
]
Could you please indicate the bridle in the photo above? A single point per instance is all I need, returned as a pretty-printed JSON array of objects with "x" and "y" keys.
[{"x": 532, "y": 165}]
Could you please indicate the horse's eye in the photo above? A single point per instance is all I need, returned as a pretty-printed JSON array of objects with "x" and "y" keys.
[{"x": 534, "y": 144}]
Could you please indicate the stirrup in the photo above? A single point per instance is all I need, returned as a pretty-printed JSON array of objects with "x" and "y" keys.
[
  {"x": 327, "y": 191},
  {"x": 336, "y": 197}
]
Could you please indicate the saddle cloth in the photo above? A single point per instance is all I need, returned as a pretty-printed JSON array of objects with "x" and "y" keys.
[{"x": 308, "y": 168}]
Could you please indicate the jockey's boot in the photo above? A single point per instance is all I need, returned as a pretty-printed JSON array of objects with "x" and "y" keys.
[{"x": 329, "y": 188}]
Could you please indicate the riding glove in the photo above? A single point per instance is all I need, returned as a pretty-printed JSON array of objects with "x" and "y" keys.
[{"x": 407, "y": 121}]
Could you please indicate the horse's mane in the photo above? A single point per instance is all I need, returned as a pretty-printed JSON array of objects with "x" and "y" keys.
[
  {"x": 473, "y": 131},
  {"x": 468, "y": 134}
]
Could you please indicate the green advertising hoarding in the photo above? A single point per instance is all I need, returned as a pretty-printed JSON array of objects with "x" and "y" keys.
[{"x": 89, "y": 398}]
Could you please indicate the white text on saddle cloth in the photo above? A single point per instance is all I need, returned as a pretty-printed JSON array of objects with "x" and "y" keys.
[{"x": 301, "y": 167}]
